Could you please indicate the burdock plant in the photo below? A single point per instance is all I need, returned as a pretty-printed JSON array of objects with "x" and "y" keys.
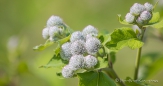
[{"x": 90, "y": 56}]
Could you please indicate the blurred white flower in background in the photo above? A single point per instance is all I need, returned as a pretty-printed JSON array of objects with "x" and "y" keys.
[
  {"x": 16, "y": 46},
  {"x": 12, "y": 43}
]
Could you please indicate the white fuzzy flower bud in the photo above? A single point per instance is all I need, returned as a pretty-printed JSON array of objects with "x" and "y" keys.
[
  {"x": 89, "y": 36},
  {"x": 77, "y": 61},
  {"x": 54, "y": 21},
  {"x": 92, "y": 45},
  {"x": 68, "y": 71},
  {"x": 145, "y": 16},
  {"x": 45, "y": 33},
  {"x": 78, "y": 47},
  {"x": 148, "y": 6},
  {"x": 136, "y": 9},
  {"x": 66, "y": 51},
  {"x": 90, "y": 30},
  {"x": 77, "y": 36},
  {"x": 90, "y": 61},
  {"x": 55, "y": 33},
  {"x": 129, "y": 18},
  {"x": 140, "y": 21}
]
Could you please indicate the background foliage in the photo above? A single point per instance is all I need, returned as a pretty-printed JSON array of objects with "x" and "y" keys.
[{"x": 21, "y": 24}]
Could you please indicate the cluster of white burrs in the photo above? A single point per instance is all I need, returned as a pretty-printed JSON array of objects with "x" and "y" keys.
[
  {"x": 139, "y": 14},
  {"x": 55, "y": 29},
  {"x": 80, "y": 51}
]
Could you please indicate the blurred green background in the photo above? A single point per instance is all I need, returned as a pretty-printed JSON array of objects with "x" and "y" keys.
[{"x": 21, "y": 24}]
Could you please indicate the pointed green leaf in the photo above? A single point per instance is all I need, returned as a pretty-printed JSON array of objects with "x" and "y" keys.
[
  {"x": 88, "y": 78},
  {"x": 155, "y": 18},
  {"x": 62, "y": 41},
  {"x": 122, "y": 21},
  {"x": 158, "y": 25},
  {"x": 55, "y": 62},
  {"x": 122, "y": 37},
  {"x": 105, "y": 80},
  {"x": 49, "y": 43},
  {"x": 43, "y": 46}
]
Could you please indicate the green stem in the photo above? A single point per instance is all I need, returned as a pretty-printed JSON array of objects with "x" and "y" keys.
[
  {"x": 113, "y": 75},
  {"x": 139, "y": 55}
]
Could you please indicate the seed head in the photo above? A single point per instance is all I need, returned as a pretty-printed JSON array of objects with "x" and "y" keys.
[
  {"x": 90, "y": 61},
  {"x": 68, "y": 71},
  {"x": 66, "y": 51},
  {"x": 89, "y": 36},
  {"x": 77, "y": 61},
  {"x": 77, "y": 36},
  {"x": 148, "y": 6},
  {"x": 129, "y": 18},
  {"x": 90, "y": 30},
  {"x": 145, "y": 16},
  {"x": 45, "y": 33},
  {"x": 136, "y": 9},
  {"x": 54, "y": 32},
  {"x": 140, "y": 21},
  {"x": 92, "y": 45},
  {"x": 78, "y": 47},
  {"x": 54, "y": 21}
]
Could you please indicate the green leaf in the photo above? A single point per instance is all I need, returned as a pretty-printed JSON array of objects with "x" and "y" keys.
[
  {"x": 107, "y": 38},
  {"x": 55, "y": 62},
  {"x": 101, "y": 38},
  {"x": 123, "y": 33},
  {"x": 62, "y": 41},
  {"x": 155, "y": 18},
  {"x": 49, "y": 43},
  {"x": 122, "y": 21},
  {"x": 122, "y": 37},
  {"x": 158, "y": 25},
  {"x": 105, "y": 80},
  {"x": 93, "y": 78},
  {"x": 134, "y": 43},
  {"x": 88, "y": 78},
  {"x": 57, "y": 50},
  {"x": 43, "y": 46}
]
